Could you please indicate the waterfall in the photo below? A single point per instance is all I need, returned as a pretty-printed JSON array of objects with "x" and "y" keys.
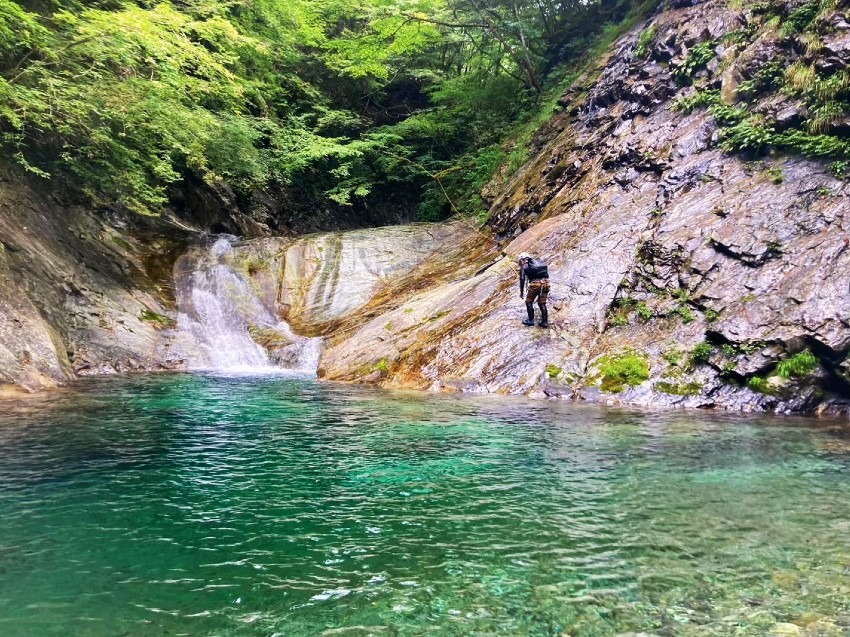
[{"x": 225, "y": 326}]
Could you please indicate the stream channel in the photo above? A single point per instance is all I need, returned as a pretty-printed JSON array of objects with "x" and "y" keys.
[{"x": 178, "y": 504}]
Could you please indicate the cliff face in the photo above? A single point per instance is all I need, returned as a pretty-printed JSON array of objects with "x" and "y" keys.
[
  {"x": 80, "y": 293},
  {"x": 681, "y": 274}
]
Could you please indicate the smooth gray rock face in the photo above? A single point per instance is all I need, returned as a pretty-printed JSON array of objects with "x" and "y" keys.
[
  {"x": 74, "y": 291},
  {"x": 328, "y": 276}
]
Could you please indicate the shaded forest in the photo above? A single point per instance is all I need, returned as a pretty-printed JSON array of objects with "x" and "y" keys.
[{"x": 288, "y": 106}]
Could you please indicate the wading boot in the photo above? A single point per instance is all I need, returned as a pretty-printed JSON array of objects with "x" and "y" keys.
[
  {"x": 544, "y": 317},
  {"x": 530, "y": 320}
]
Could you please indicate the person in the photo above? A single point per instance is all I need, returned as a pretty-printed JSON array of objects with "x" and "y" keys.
[{"x": 537, "y": 274}]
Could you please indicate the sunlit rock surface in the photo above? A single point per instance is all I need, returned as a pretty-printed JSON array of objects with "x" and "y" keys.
[
  {"x": 251, "y": 305},
  {"x": 325, "y": 277},
  {"x": 689, "y": 272},
  {"x": 711, "y": 268},
  {"x": 315, "y": 282}
]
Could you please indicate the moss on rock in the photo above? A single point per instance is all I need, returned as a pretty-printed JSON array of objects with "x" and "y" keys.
[{"x": 626, "y": 368}]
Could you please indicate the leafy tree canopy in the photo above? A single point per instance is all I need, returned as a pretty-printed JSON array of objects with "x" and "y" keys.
[{"x": 342, "y": 100}]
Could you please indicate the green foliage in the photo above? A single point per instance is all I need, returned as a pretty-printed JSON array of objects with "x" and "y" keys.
[
  {"x": 698, "y": 99},
  {"x": 749, "y": 348},
  {"x": 841, "y": 169},
  {"x": 759, "y": 385},
  {"x": 799, "y": 365},
  {"x": 341, "y": 100},
  {"x": 824, "y": 92},
  {"x": 382, "y": 366},
  {"x": 685, "y": 312},
  {"x": 158, "y": 320},
  {"x": 673, "y": 357},
  {"x": 800, "y": 76},
  {"x": 749, "y": 135},
  {"x": 618, "y": 319},
  {"x": 21, "y": 34},
  {"x": 766, "y": 78},
  {"x": 701, "y": 353},
  {"x": 738, "y": 36},
  {"x": 645, "y": 39},
  {"x": 618, "y": 314},
  {"x": 132, "y": 98},
  {"x": 644, "y": 311},
  {"x": 697, "y": 58},
  {"x": 813, "y": 145},
  {"x": 776, "y": 174},
  {"x": 800, "y": 18},
  {"x": 627, "y": 368},
  {"x": 727, "y": 115},
  {"x": 824, "y": 116},
  {"x": 711, "y": 315},
  {"x": 553, "y": 371}
]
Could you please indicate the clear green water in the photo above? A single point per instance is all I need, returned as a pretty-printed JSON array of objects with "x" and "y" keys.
[{"x": 190, "y": 505}]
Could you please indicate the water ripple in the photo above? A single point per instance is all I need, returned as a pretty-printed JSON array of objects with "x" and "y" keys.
[{"x": 208, "y": 505}]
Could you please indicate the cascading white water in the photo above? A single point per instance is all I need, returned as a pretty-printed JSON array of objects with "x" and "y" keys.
[{"x": 219, "y": 311}]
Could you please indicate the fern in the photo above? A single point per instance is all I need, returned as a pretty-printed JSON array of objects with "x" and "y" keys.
[
  {"x": 797, "y": 366},
  {"x": 697, "y": 58},
  {"x": 748, "y": 135}
]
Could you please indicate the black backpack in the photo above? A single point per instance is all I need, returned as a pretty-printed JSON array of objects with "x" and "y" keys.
[{"x": 536, "y": 270}]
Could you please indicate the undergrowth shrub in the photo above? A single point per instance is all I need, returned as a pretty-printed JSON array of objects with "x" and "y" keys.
[
  {"x": 626, "y": 368},
  {"x": 797, "y": 366},
  {"x": 697, "y": 58},
  {"x": 701, "y": 353}
]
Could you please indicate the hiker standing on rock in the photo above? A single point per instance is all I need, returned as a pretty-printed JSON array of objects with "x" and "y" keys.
[{"x": 537, "y": 274}]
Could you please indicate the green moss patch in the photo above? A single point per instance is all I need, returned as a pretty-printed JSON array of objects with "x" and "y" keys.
[
  {"x": 159, "y": 321},
  {"x": 679, "y": 389},
  {"x": 701, "y": 353},
  {"x": 122, "y": 243},
  {"x": 761, "y": 385},
  {"x": 625, "y": 369}
]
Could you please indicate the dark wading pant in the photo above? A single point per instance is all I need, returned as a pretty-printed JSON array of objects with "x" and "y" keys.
[{"x": 537, "y": 290}]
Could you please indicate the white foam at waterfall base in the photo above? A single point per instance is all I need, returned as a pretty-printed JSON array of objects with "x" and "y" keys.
[
  {"x": 302, "y": 355},
  {"x": 216, "y": 306}
]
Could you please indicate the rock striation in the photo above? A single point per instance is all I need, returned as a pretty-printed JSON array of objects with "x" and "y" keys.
[
  {"x": 80, "y": 293},
  {"x": 682, "y": 274}
]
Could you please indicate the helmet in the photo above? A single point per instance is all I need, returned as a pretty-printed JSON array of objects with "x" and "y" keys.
[{"x": 524, "y": 255}]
